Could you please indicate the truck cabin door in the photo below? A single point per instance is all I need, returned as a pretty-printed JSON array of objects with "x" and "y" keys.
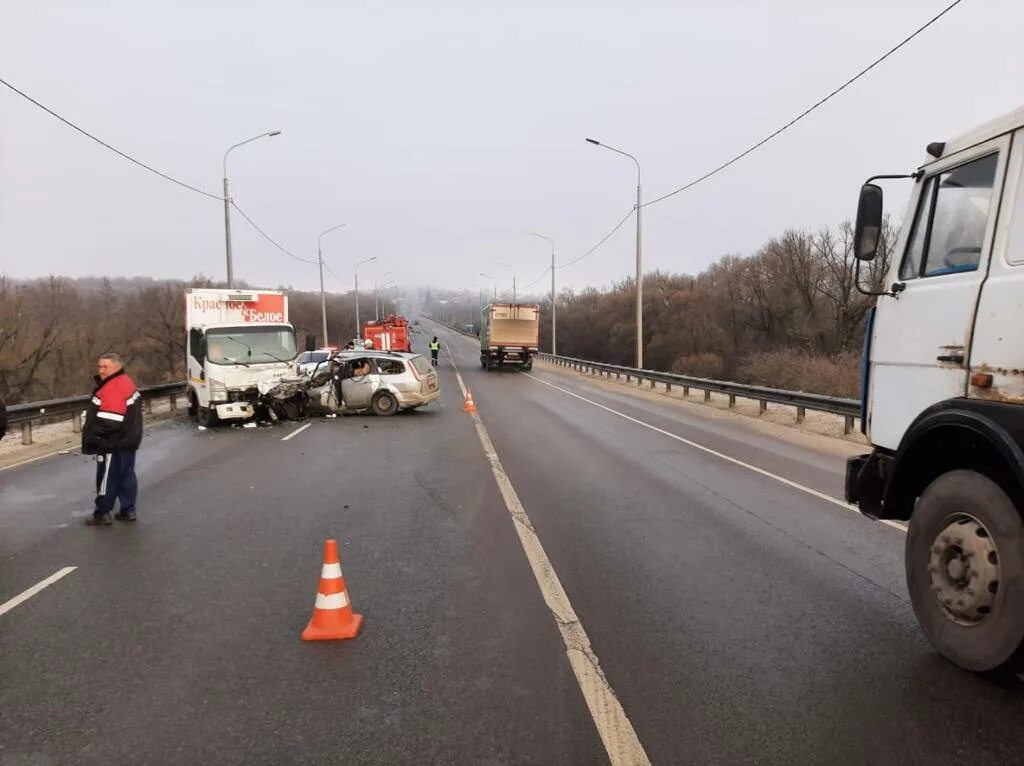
[
  {"x": 195, "y": 356},
  {"x": 922, "y": 335}
]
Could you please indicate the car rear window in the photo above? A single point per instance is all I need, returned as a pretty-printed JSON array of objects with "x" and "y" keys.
[
  {"x": 390, "y": 367},
  {"x": 421, "y": 364}
]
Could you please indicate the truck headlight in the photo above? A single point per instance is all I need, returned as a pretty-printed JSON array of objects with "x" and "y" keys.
[{"x": 218, "y": 391}]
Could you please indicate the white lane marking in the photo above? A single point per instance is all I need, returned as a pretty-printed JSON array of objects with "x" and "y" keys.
[
  {"x": 25, "y": 595},
  {"x": 720, "y": 455},
  {"x": 613, "y": 726},
  {"x": 38, "y": 457},
  {"x": 296, "y": 432}
]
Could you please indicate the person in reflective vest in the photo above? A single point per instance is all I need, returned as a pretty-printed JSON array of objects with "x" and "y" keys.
[{"x": 435, "y": 348}]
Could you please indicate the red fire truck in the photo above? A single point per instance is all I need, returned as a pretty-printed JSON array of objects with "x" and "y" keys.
[{"x": 388, "y": 334}]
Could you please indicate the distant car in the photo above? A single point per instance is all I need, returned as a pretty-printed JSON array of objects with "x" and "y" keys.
[
  {"x": 383, "y": 382},
  {"x": 307, "y": 361}
]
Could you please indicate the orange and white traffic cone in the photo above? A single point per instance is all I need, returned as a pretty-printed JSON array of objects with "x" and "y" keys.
[
  {"x": 469, "y": 406},
  {"x": 332, "y": 614}
]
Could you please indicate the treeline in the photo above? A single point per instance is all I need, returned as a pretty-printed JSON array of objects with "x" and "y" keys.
[
  {"x": 52, "y": 330},
  {"x": 787, "y": 316}
]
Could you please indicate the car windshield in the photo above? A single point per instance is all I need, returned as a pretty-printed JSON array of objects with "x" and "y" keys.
[
  {"x": 250, "y": 345},
  {"x": 313, "y": 357}
]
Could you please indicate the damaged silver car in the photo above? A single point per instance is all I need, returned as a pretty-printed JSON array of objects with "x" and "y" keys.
[{"x": 382, "y": 382}]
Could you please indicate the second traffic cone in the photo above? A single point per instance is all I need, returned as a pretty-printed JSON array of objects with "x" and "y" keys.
[
  {"x": 332, "y": 614},
  {"x": 469, "y": 406}
]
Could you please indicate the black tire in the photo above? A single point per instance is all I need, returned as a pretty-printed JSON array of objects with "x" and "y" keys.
[
  {"x": 483, "y": 363},
  {"x": 384, "y": 403},
  {"x": 962, "y": 500},
  {"x": 527, "y": 367},
  {"x": 193, "y": 404},
  {"x": 206, "y": 417}
]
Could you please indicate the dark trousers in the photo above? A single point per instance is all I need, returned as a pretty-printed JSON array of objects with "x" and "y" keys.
[
  {"x": 115, "y": 480},
  {"x": 433, "y": 356}
]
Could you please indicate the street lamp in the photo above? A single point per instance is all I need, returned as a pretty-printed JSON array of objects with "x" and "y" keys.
[
  {"x": 359, "y": 327},
  {"x": 227, "y": 201},
  {"x": 550, "y": 242},
  {"x": 510, "y": 266},
  {"x": 376, "y": 309},
  {"x": 384, "y": 305},
  {"x": 323, "y": 299},
  {"x": 639, "y": 257},
  {"x": 495, "y": 281}
]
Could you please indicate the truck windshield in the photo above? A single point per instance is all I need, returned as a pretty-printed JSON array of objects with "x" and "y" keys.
[{"x": 250, "y": 345}]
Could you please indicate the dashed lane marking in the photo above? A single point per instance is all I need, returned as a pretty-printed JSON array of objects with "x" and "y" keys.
[
  {"x": 613, "y": 726},
  {"x": 296, "y": 432},
  {"x": 25, "y": 595},
  {"x": 720, "y": 455}
]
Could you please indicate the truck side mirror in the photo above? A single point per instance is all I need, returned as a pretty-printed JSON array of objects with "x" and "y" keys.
[
  {"x": 869, "y": 223},
  {"x": 311, "y": 343}
]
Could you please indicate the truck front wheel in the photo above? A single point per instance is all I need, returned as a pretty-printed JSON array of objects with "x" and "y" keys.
[
  {"x": 965, "y": 571},
  {"x": 206, "y": 417}
]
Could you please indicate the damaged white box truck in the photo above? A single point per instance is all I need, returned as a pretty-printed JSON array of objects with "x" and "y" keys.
[
  {"x": 239, "y": 347},
  {"x": 943, "y": 392}
]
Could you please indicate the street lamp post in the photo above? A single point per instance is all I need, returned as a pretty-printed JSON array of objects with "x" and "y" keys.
[
  {"x": 323, "y": 299},
  {"x": 359, "y": 327},
  {"x": 510, "y": 266},
  {"x": 376, "y": 307},
  {"x": 550, "y": 242},
  {"x": 227, "y": 201},
  {"x": 495, "y": 283},
  {"x": 639, "y": 257}
]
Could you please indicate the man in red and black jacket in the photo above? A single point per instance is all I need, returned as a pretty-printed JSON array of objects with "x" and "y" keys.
[{"x": 113, "y": 432}]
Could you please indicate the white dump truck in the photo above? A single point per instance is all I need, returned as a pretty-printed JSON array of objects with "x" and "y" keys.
[
  {"x": 943, "y": 391},
  {"x": 239, "y": 346}
]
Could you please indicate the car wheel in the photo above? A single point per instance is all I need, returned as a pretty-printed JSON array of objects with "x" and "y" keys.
[
  {"x": 206, "y": 417},
  {"x": 384, "y": 403},
  {"x": 965, "y": 571}
]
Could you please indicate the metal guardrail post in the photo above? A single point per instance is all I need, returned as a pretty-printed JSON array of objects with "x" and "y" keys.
[
  {"x": 174, "y": 402},
  {"x": 147, "y": 406},
  {"x": 652, "y": 382},
  {"x": 668, "y": 387},
  {"x": 26, "y": 432},
  {"x": 732, "y": 400},
  {"x": 762, "y": 407},
  {"x": 801, "y": 412},
  {"x": 847, "y": 424},
  {"x": 707, "y": 394},
  {"x": 76, "y": 423},
  {"x": 686, "y": 390}
]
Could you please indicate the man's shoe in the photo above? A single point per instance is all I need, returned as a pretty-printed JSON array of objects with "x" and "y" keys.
[
  {"x": 98, "y": 520},
  {"x": 122, "y": 516}
]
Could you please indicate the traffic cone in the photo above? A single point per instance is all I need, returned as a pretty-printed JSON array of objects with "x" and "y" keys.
[
  {"x": 469, "y": 406},
  {"x": 332, "y": 613}
]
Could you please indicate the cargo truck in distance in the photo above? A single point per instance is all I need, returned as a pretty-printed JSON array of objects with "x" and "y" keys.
[
  {"x": 943, "y": 392},
  {"x": 509, "y": 335},
  {"x": 239, "y": 345}
]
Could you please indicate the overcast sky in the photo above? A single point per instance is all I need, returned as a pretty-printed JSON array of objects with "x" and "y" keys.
[{"x": 440, "y": 132}]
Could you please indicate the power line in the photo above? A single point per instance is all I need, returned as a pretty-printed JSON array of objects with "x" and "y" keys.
[
  {"x": 103, "y": 143},
  {"x": 267, "y": 237},
  {"x": 604, "y": 239},
  {"x": 331, "y": 272},
  {"x": 538, "y": 279},
  {"x": 810, "y": 109}
]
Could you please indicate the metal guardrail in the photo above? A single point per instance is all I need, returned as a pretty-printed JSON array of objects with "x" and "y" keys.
[
  {"x": 849, "y": 409},
  {"x": 69, "y": 407}
]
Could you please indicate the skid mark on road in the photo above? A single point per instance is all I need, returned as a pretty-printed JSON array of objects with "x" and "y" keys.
[
  {"x": 721, "y": 455},
  {"x": 25, "y": 595},
  {"x": 613, "y": 726}
]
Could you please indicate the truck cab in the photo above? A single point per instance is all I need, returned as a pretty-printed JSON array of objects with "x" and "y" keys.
[
  {"x": 238, "y": 347},
  {"x": 943, "y": 391}
]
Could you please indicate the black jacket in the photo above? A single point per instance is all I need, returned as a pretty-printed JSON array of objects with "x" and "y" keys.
[{"x": 113, "y": 421}]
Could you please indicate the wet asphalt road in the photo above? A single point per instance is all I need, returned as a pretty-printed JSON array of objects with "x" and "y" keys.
[{"x": 737, "y": 619}]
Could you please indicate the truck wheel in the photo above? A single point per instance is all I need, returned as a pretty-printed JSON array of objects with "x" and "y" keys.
[
  {"x": 193, "y": 404},
  {"x": 483, "y": 363},
  {"x": 206, "y": 417},
  {"x": 384, "y": 403},
  {"x": 528, "y": 366},
  {"x": 965, "y": 571}
]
